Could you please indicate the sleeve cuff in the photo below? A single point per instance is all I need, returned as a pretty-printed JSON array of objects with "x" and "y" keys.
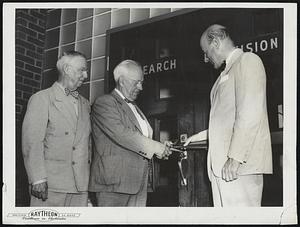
[
  {"x": 236, "y": 159},
  {"x": 39, "y": 181}
]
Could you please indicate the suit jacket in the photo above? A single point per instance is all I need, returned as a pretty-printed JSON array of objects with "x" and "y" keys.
[
  {"x": 55, "y": 142},
  {"x": 238, "y": 125},
  {"x": 120, "y": 161}
]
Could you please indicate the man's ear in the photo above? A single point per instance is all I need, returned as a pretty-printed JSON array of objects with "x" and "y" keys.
[
  {"x": 121, "y": 81},
  {"x": 216, "y": 43},
  {"x": 66, "y": 69}
]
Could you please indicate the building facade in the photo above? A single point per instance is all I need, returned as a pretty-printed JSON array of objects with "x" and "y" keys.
[{"x": 178, "y": 80}]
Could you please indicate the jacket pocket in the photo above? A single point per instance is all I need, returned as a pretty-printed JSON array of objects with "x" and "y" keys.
[
  {"x": 110, "y": 169},
  {"x": 58, "y": 148}
]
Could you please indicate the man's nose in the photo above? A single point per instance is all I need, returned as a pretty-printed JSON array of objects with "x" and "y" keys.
[
  {"x": 85, "y": 74},
  {"x": 140, "y": 86}
]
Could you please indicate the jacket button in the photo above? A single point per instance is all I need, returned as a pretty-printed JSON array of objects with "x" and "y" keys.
[
  {"x": 89, "y": 161},
  {"x": 73, "y": 148},
  {"x": 66, "y": 133},
  {"x": 73, "y": 163}
]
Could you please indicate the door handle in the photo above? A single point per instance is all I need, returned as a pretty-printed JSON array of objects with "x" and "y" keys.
[{"x": 183, "y": 180}]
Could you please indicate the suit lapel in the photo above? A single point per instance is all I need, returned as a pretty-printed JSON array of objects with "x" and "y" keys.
[
  {"x": 72, "y": 114},
  {"x": 236, "y": 55},
  {"x": 63, "y": 106},
  {"x": 82, "y": 122},
  {"x": 214, "y": 90},
  {"x": 127, "y": 110}
]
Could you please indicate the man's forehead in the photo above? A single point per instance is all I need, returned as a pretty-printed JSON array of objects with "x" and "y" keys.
[
  {"x": 135, "y": 72},
  {"x": 77, "y": 60},
  {"x": 134, "y": 69}
]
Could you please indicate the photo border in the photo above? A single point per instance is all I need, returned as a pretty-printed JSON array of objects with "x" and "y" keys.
[{"x": 155, "y": 215}]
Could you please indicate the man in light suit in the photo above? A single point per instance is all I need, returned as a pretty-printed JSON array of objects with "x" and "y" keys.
[
  {"x": 55, "y": 138},
  {"x": 239, "y": 137},
  {"x": 123, "y": 142}
]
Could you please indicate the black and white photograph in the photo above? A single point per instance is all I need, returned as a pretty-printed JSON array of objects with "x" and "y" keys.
[{"x": 182, "y": 115}]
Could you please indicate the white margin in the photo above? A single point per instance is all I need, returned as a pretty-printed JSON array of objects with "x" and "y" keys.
[{"x": 153, "y": 215}]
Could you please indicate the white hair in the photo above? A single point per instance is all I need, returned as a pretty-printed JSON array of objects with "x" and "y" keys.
[
  {"x": 66, "y": 58},
  {"x": 122, "y": 68}
]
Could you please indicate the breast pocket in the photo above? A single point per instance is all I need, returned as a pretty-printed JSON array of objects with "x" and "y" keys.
[{"x": 58, "y": 149}]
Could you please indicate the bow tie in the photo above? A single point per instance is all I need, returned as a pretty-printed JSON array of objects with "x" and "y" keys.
[
  {"x": 73, "y": 93},
  {"x": 222, "y": 67}
]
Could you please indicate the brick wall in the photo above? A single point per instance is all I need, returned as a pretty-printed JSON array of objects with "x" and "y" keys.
[{"x": 30, "y": 41}]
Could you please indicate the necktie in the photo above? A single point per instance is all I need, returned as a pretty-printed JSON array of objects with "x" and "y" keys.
[
  {"x": 137, "y": 109},
  {"x": 129, "y": 101},
  {"x": 223, "y": 66},
  {"x": 73, "y": 93}
]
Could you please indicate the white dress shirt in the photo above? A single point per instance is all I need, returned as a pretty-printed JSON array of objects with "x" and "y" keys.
[{"x": 141, "y": 121}]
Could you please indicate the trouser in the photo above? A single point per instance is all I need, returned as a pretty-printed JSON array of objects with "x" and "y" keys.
[
  {"x": 244, "y": 191},
  {"x": 116, "y": 199},
  {"x": 61, "y": 199}
]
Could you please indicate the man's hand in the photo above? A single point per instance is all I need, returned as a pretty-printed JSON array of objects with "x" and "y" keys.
[
  {"x": 167, "y": 152},
  {"x": 197, "y": 137},
  {"x": 40, "y": 190},
  {"x": 229, "y": 171},
  {"x": 190, "y": 139}
]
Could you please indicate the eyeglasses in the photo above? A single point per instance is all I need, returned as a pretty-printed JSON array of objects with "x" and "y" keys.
[
  {"x": 83, "y": 69},
  {"x": 136, "y": 82}
]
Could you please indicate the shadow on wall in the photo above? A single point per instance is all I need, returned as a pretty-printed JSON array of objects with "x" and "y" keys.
[
  {"x": 49, "y": 78},
  {"x": 22, "y": 187}
]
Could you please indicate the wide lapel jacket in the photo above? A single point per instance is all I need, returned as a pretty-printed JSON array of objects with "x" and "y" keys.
[
  {"x": 122, "y": 152},
  {"x": 83, "y": 119},
  {"x": 64, "y": 106},
  {"x": 49, "y": 129},
  {"x": 237, "y": 54},
  {"x": 127, "y": 110},
  {"x": 238, "y": 126}
]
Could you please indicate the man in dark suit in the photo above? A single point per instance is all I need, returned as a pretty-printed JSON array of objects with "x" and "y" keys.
[
  {"x": 123, "y": 145},
  {"x": 56, "y": 138}
]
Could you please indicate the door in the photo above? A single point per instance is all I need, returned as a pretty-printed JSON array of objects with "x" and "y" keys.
[{"x": 166, "y": 182}]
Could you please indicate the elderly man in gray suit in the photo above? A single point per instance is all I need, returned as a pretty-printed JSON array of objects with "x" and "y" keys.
[
  {"x": 123, "y": 144},
  {"x": 239, "y": 137},
  {"x": 56, "y": 138}
]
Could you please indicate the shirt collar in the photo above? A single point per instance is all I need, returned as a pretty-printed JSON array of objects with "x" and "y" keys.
[
  {"x": 230, "y": 55},
  {"x": 61, "y": 86},
  {"x": 120, "y": 93}
]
